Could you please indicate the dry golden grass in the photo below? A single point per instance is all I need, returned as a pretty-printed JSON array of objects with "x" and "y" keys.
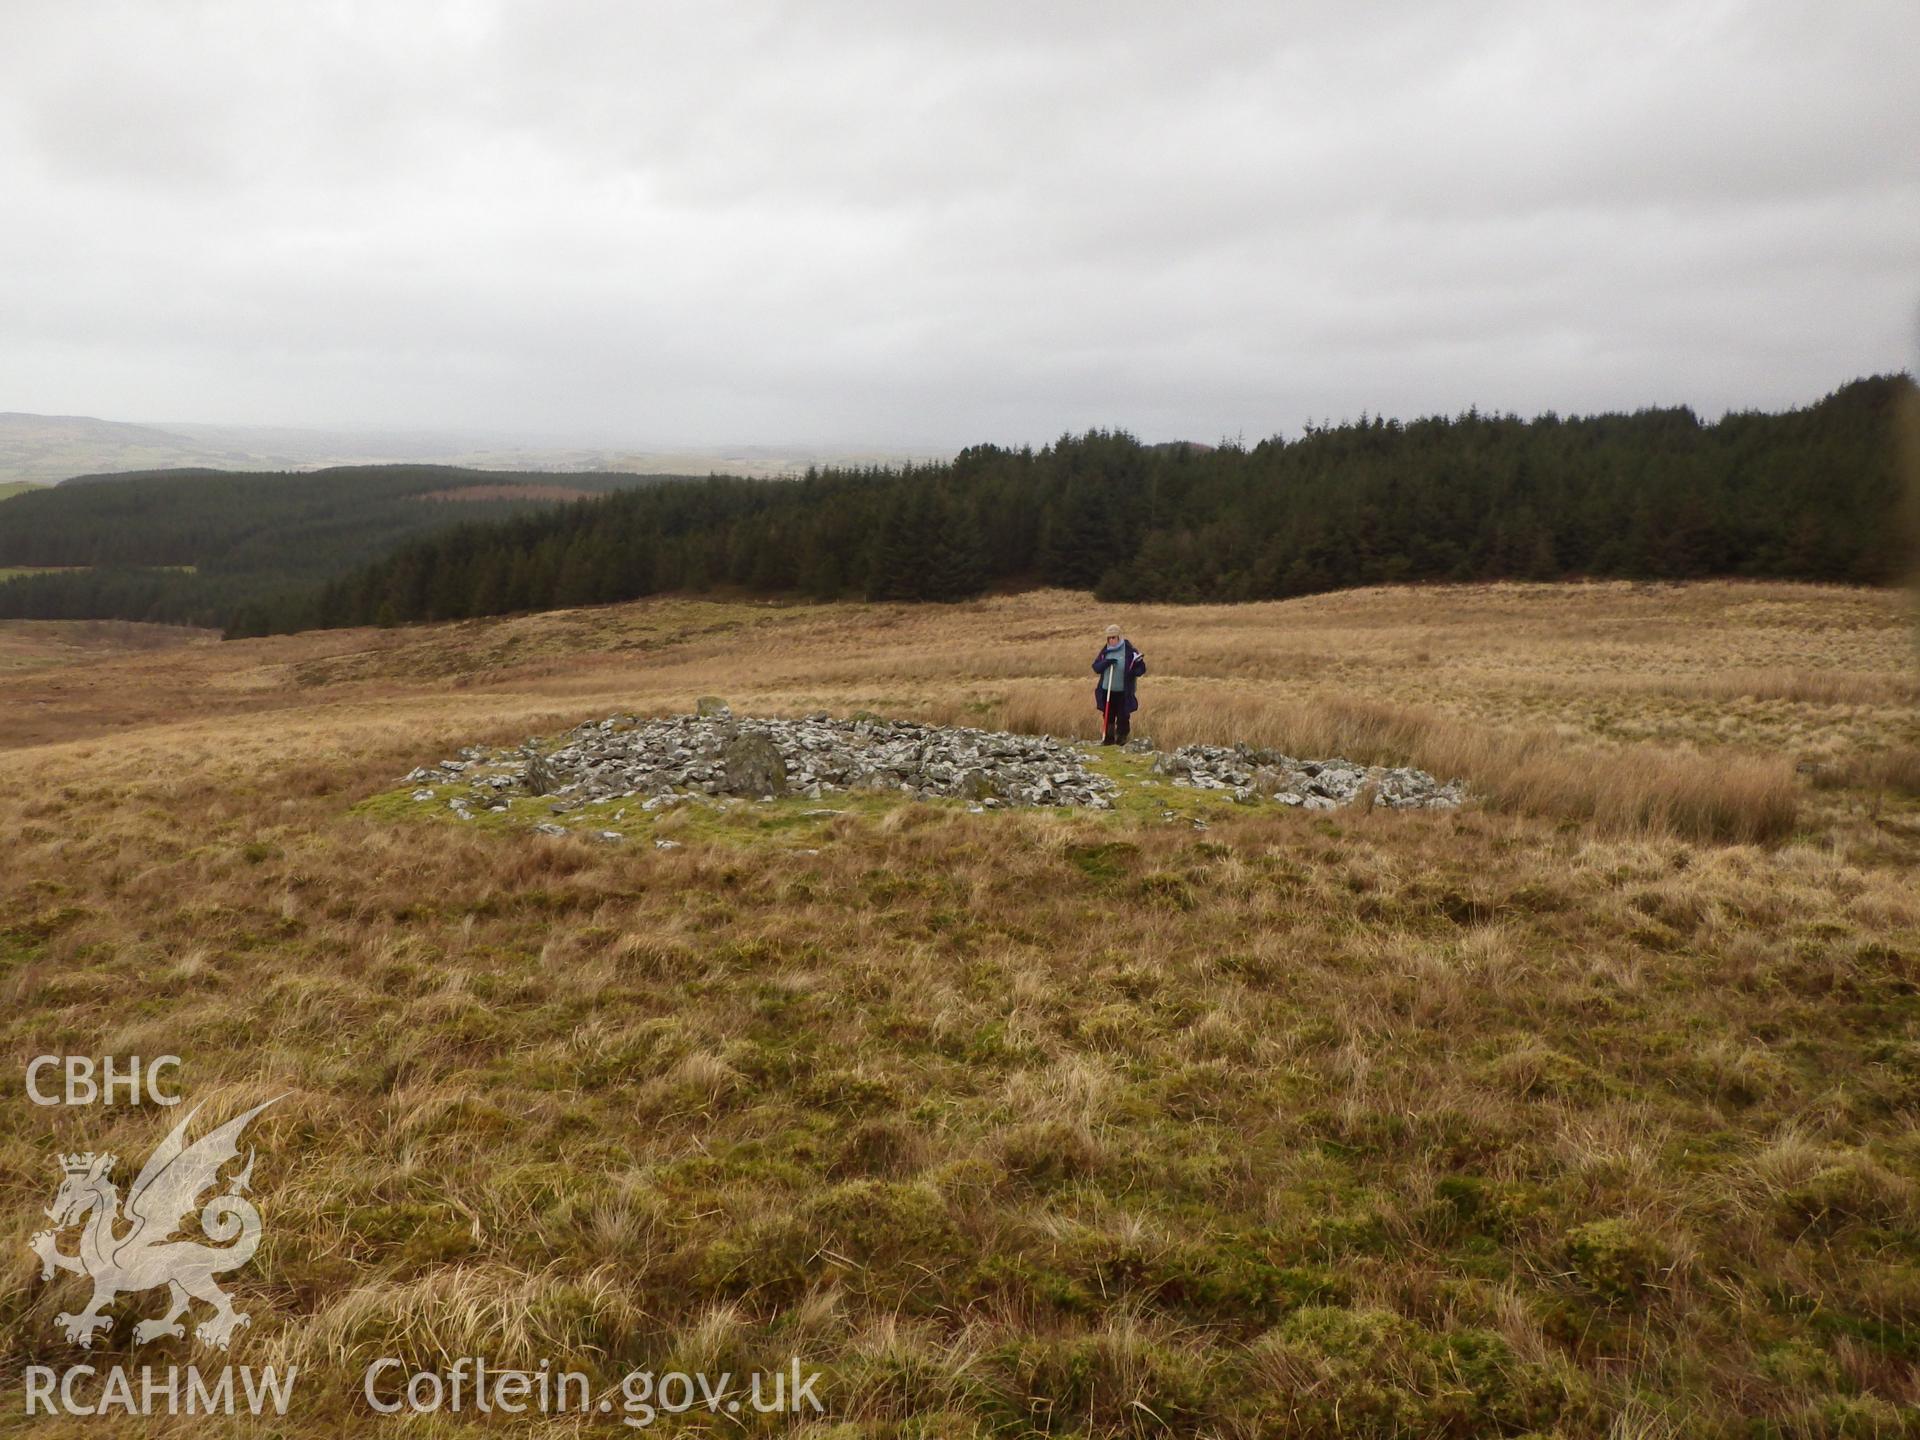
[
  {"x": 1896, "y": 770},
  {"x": 1624, "y": 789},
  {"x": 1587, "y": 1111},
  {"x": 1533, "y": 693}
]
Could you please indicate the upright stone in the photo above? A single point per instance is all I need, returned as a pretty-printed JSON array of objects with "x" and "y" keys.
[
  {"x": 754, "y": 766},
  {"x": 540, "y": 777}
]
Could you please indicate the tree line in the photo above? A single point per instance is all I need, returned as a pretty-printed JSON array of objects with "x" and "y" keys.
[
  {"x": 1811, "y": 494},
  {"x": 200, "y": 547}
]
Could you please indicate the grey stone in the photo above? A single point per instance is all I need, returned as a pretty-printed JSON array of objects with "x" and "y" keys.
[
  {"x": 1307, "y": 784},
  {"x": 754, "y": 766},
  {"x": 537, "y": 773},
  {"x": 977, "y": 785},
  {"x": 685, "y": 759}
]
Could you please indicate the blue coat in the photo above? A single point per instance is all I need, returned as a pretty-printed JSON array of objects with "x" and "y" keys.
[{"x": 1136, "y": 667}]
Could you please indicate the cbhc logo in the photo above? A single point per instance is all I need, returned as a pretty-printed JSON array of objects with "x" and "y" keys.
[{"x": 82, "y": 1081}]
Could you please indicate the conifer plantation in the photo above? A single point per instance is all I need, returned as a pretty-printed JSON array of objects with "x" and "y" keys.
[
  {"x": 1812, "y": 494},
  {"x": 194, "y": 546}
]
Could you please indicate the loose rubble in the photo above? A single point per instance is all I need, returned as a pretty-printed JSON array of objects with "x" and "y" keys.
[
  {"x": 660, "y": 761},
  {"x": 714, "y": 757},
  {"x": 1250, "y": 774}
]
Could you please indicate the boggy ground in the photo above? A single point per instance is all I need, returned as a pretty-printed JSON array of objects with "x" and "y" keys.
[{"x": 1588, "y": 1110}]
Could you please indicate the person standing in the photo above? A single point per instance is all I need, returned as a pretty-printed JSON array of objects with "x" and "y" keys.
[{"x": 1116, "y": 668}]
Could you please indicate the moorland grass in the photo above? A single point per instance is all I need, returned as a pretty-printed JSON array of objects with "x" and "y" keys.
[{"x": 1570, "y": 1113}]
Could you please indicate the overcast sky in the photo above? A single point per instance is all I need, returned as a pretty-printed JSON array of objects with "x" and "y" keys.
[{"x": 926, "y": 224}]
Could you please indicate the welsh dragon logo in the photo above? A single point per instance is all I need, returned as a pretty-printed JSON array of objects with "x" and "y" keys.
[{"x": 131, "y": 1249}]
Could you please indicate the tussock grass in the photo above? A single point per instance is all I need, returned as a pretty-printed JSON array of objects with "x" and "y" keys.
[
  {"x": 1801, "y": 687},
  {"x": 1897, "y": 770},
  {"x": 1633, "y": 789},
  {"x": 1587, "y": 1111}
]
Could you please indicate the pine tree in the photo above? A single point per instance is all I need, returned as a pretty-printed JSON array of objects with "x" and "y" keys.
[
  {"x": 958, "y": 565},
  {"x": 900, "y": 555}
]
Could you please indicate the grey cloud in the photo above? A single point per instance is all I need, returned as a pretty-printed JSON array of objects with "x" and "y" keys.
[{"x": 929, "y": 225}]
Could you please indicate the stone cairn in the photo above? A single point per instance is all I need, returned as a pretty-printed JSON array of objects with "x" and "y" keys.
[
  {"x": 712, "y": 753},
  {"x": 1250, "y": 774}
]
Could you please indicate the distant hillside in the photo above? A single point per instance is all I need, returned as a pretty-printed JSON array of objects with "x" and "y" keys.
[
  {"x": 49, "y": 448},
  {"x": 1811, "y": 494},
  {"x": 195, "y": 545},
  {"x": 11, "y": 488},
  {"x": 54, "y": 448}
]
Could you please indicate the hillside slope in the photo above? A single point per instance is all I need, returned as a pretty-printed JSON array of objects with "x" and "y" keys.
[
  {"x": 46, "y": 449},
  {"x": 1553, "y": 1115},
  {"x": 51, "y": 448},
  {"x": 1812, "y": 494},
  {"x": 194, "y": 545}
]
